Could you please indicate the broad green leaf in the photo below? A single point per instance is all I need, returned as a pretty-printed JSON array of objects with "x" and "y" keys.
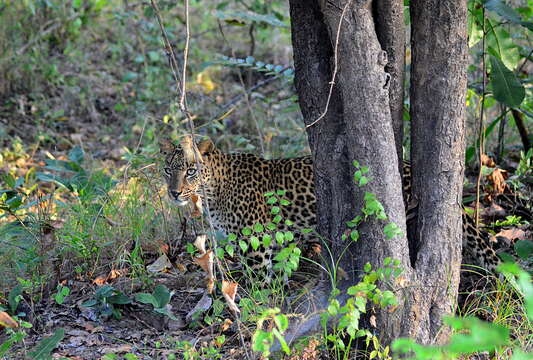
[
  {"x": 146, "y": 298},
  {"x": 507, "y": 12},
  {"x": 505, "y": 86},
  {"x": 162, "y": 295},
  {"x": 501, "y": 45},
  {"x": 524, "y": 248},
  {"x": 248, "y": 17},
  {"x": 44, "y": 348}
]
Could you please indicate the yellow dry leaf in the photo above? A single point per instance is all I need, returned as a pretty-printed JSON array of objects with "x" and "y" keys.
[
  {"x": 204, "y": 80},
  {"x": 7, "y": 321},
  {"x": 199, "y": 243},
  {"x": 497, "y": 178},
  {"x": 229, "y": 290}
]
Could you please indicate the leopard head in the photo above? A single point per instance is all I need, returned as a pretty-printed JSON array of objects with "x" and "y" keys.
[{"x": 184, "y": 169}]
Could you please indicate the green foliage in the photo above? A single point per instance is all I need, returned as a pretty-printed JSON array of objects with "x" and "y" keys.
[
  {"x": 263, "y": 340},
  {"x": 106, "y": 301},
  {"x": 159, "y": 299},
  {"x": 61, "y": 294},
  {"x": 471, "y": 334},
  {"x": 43, "y": 350}
]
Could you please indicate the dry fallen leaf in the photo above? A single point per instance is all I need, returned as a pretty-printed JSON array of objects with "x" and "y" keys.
[
  {"x": 7, "y": 321},
  {"x": 197, "y": 207},
  {"x": 201, "y": 306},
  {"x": 229, "y": 290},
  {"x": 200, "y": 243},
  {"x": 487, "y": 161},
  {"x": 161, "y": 264},
  {"x": 373, "y": 321},
  {"x": 226, "y": 325},
  {"x": 206, "y": 263},
  {"x": 513, "y": 234},
  {"x": 497, "y": 179},
  {"x": 100, "y": 280}
]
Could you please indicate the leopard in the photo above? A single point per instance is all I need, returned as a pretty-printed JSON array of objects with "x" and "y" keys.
[{"x": 233, "y": 186}]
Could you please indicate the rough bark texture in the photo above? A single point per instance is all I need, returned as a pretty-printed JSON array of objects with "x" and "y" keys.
[
  {"x": 438, "y": 88},
  {"x": 390, "y": 29},
  {"x": 357, "y": 127}
]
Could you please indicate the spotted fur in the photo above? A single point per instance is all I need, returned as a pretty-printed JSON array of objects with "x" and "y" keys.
[{"x": 235, "y": 184}]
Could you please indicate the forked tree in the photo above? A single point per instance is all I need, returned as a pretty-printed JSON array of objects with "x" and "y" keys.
[{"x": 359, "y": 44}]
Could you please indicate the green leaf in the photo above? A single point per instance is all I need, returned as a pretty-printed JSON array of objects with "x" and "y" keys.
[
  {"x": 248, "y": 17},
  {"x": 258, "y": 228},
  {"x": 162, "y": 295},
  {"x": 119, "y": 299},
  {"x": 246, "y": 231},
  {"x": 230, "y": 249},
  {"x": 254, "y": 241},
  {"x": 145, "y": 298},
  {"x": 501, "y": 45},
  {"x": 507, "y": 12},
  {"x": 506, "y": 87},
  {"x": 14, "y": 298},
  {"x": 243, "y": 245},
  {"x": 280, "y": 238},
  {"x": 524, "y": 248},
  {"x": 267, "y": 240},
  {"x": 47, "y": 345},
  {"x": 289, "y": 236}
]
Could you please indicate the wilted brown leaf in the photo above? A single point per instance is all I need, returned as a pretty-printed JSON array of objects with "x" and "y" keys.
[
  {"x": 487, "y": 161},
  {"x": 199, "y": 243},
  {"x": 497, "y": 179},
  {"x": 513, "y": 234},
  {"x": 100, "y": 280},
  {"x": 7, "y": 321},
  {"x": 372, "y": 321},
  {"x": 197, "y": 207},
  {"x": 229, "y": 290},
  {"x": 161, "y": 264},
  {"x": 206, "y": 263},
  {"x": 226, "y": 325}
]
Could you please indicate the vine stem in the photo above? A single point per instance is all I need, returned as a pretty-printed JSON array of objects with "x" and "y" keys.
[
  {"x": 481, "y": 125},
  {"x": 335, "y": 67},
  {"x": 181, "y": 85}
]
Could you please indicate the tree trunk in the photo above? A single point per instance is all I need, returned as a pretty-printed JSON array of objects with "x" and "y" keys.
[
  {"x": 359, "y": 126},
  {"x": 391, "y": 35},
  {"x": 438, "y": 88}
]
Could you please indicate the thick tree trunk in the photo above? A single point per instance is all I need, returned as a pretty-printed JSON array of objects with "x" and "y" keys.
[
  {"x": 391, "y": 34},
  {"x": 359, "y": 126},
  {"x": 438, "y": 88}
]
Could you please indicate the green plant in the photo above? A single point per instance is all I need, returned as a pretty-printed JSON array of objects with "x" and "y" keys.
[
  {"x": 210, "y": 351},
  {"x": 159, "y": 299},
  {"x": 106, "y": 300},
  {"x": 473, "y": 335},
  {"x": 61, "y": 294},
  {"x": 263, "y": 340}
]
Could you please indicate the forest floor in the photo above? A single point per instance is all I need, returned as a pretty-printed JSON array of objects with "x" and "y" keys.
[{"x": 85, "y": 223}]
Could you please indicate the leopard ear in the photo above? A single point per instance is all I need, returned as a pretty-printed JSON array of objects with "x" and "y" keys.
[
  {"x": 186, "y": 145},
  {"x": 206, "y": 147},
  {"x": 166, "y": 147}
]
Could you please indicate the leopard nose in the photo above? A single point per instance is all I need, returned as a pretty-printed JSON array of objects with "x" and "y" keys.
[{"x": 175, "y": 194}]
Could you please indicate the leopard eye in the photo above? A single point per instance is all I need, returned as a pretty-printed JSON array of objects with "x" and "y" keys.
[
  {"x": 167, "y": 171},
  {"x": 191, "y": 171}
]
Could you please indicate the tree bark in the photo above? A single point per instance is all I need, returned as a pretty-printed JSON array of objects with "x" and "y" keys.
[
  {"x": 359, "y": 126},
  {"x": 438, "y": 88},
  {"x": 390, "y": 29}
]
